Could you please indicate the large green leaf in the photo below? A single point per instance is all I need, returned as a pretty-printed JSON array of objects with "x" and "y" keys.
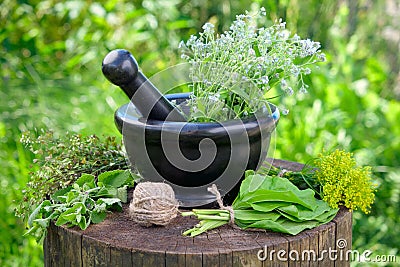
[
  {"x": 302, "y": 213},
  {"x": 86, "y": 179},
  {"x": 115, "y": 178},
  {"x": 284, "y": 225},
  {"x": 253, "y": 215},
  {"x": 268, "y": 206},
  {"x": 263, "y": 195},
  {"x": 255, "y": 185}
]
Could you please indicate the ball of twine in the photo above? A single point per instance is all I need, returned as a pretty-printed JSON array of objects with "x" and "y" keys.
[{"x": 153, "y": 204}]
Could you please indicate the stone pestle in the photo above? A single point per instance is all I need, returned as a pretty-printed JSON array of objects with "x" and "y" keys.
[{"x": 121, "y": 69}]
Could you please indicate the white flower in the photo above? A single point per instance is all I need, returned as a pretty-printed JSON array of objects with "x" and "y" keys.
[
  {"x": 309, "y": 47},
  {"x": 252, "y": 52},
  {"x": 321, "y": 57},
  {"x": 285, "y": 111},
  {"x": 295, "y": 71},
  {"x": 262, "y": 11},
  {"x": 265, "y": 79},
  {"x": 284, "y": 83},
  {"x": 289, "y": 91},
  {"x": 303, "y": 89},
  {"x": 191, "y": 41},
  {"x": 214, "y": 97},
  {"x": 208, "y": 28}
]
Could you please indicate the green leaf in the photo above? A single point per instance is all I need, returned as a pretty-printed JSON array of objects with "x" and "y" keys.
[
  {"x": 62, "y": 220},
  {"x": 255, "y": 182},
  {"x": 283, "y": 226},
  {"x": 272, "y": 189},
  {"x": 71, "y": 196},
  {"x": 87, "y": 179},
  {"x": 35, "y": 213},
  {"x": 240, "y": 92},
  {"x": 256, "y": 49},
  {"x": 107, "y": 191},
  {"x": 44, "y": 223},
  {"x": 263, "y": 195},
  {"x": 302, "y": 213},
  {"x": 78, "y": 218},
  {"x": 71, "y": 214},
  {"x": 83, "y": 224},
  {"x": 122, "y": 194},
  {"x": 108, "y": 201},
  {"x": 253, "y": 215},
  {"x": 115, "y": 178},
  {"x": 98, "y": 217},
  {"x": 327, "y": 216},
  {"x": 268, "y": 206},
  {"x": 59, "y": 196}
]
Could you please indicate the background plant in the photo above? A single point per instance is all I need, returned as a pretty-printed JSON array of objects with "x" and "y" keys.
[{"x": 51, "y": 53}]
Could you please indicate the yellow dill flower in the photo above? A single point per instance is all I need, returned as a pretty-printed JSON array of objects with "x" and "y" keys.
[{"x": 343, "y": 182}]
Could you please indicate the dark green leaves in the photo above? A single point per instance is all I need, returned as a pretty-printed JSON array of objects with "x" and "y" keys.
[
  {"x": 82, "y": 203},
  {"x": 271, "y": 203},
  {"x": 278, "y": 205}
]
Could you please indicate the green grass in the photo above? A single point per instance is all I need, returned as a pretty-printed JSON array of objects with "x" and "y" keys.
[{"x": 51, "y": 78}]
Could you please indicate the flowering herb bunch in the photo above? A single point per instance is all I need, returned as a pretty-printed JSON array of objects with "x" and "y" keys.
[
  {"x": 232, "y": 73},
  {"x": 343, "y": 182}
]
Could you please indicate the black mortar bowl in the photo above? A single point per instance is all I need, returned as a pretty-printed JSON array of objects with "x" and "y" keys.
[{"x": 165, "y": 151}]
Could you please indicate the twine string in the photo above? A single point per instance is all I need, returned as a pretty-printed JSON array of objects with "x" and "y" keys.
[
  {"x": 214, "y": 190},
  {"x": 153, "y": 203}
]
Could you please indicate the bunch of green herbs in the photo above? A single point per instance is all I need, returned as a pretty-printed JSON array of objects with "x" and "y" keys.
[
  {"x": 60, "y": 161},
  {"x": 270, "y": 203},
  {"x": 84, "y": 202},
  {"x": 232, "y": 73}
]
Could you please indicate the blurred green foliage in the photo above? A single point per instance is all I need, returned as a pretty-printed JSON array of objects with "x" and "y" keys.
[{"x": 51, "y": 55}]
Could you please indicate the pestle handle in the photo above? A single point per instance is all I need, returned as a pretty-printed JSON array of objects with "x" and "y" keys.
[{"x": 121, "y": 68}]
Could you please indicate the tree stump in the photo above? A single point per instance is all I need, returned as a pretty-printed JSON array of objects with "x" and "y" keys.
[{"x": 119, "y": 242}]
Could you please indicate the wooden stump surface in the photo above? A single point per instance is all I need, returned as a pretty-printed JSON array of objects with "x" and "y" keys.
[{"x": 119, "y": 242}]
